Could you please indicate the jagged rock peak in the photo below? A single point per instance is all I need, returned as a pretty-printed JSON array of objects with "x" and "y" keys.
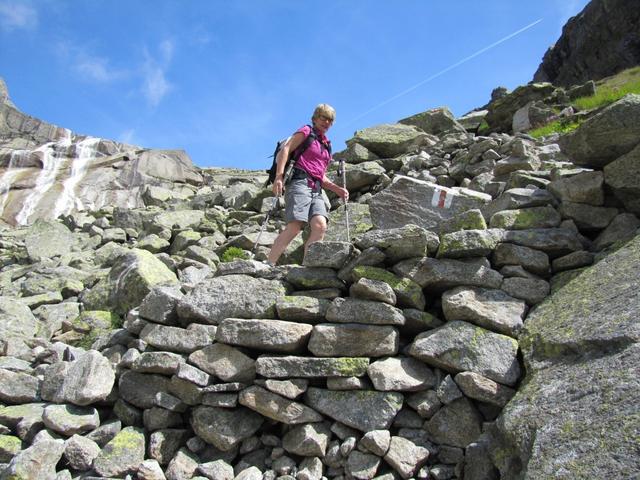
[
  {"x": 4, "y": 93},
  {"x": 600, "y": 41}
]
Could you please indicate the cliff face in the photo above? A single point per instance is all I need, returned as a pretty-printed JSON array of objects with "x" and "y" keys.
[
  {"x": 600, "y": 41},
  {"x": 47, "y": 170},
  {"x": 579, "y": 402}
]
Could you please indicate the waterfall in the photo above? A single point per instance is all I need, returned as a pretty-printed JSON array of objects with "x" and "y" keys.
[
  {"x": 68, "y": 200},
  {"x": 46, "y": 177},
  {"x": 64, "y": 137},
  {"x": 9, "y": 176}
]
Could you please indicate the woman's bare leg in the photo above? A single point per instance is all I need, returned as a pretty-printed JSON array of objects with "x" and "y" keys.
[
  {"x": 318, "y": 226},
  {"x": 283, "y": 240}
]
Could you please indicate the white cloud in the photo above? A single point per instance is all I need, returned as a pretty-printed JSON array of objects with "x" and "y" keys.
[
  {"x": 89, "y": 67},
  {"x": 15, "y": 15},
  {"x": 202, "y": 39},
  {"x": 128, "y": 137},
  {"x": 156, "y": 86},
  {"x": 151, "y": 75},
  {"x": 166, "y": 50},
  {"x": 95, "y": 68}
]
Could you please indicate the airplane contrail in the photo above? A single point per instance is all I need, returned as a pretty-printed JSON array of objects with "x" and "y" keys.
[{"x": 442, "y": 72}]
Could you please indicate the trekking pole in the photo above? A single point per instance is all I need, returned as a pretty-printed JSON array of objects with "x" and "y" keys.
[
  {"x": 264, "y": 225},
  {"x": 273, "y": 208},
  {"x": 346, "y": 210}
]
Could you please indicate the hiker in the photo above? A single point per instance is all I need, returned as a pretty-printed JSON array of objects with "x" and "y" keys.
[{"x": 303, "y": 193}]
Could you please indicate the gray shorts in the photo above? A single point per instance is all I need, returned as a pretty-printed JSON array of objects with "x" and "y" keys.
[{"x": 301, "y": 202}]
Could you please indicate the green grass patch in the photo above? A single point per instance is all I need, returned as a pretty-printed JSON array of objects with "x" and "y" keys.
[
  {"x": 561, "y": 126},
  {"x": 606, "y": 95},
  {"x": 611, "y": 89},
  {"x": 608, "y": 90},
  {"x": 87, "y": 341},
  {"x": 234, "y": 253},
  {"x": 484, "y": 128}
]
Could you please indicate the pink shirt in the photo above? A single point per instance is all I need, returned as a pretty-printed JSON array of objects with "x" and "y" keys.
[{"x": 316, "y": 158}]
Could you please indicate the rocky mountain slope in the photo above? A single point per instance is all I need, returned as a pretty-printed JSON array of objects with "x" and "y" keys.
[
  {"x": 49, "y": 171},
  {"x": 600, "y": 41},
  {"x": 480, "y": 325}
]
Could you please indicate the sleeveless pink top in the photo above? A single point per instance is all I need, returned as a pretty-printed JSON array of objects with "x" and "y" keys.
[{"x": 316, "y": 158}]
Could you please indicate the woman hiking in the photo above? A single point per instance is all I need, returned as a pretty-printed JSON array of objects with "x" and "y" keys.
[{"x": 303, "y": 193}]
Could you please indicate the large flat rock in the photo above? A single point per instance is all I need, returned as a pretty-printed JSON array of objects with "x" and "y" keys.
[
  {"x": 606, "y": 136},
  {"x": 458, "y": 346},
  {"x": 225, "y": 428},
  {"x": 131, "y": 278},
  {"x": 122, "y": 455},
  {"x": 278, "y": 408},
  {"x": 240, "y": 296},
  {"x": 389, "y": 140},
  {"x": 442, "y": 274},
  {"x": 89, "y": 379},
  {"x": 577, "y": 409},
  {"x": 16, "y": 319},
  {"x": 488, "y": 308},
  {"x": 353, "y": 339},
  {"x": 310, "y": 367},
  {"x": 364, "y": 410},
  {"x": 408, "y": 200},
  {"x": 264, "y": 335}
]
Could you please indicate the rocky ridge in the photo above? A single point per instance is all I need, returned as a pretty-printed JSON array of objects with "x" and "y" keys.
[
  {"x": 48, "y": 171},
  {"x": 130, "y": 349},
  {"x": 600, "y": 41}
]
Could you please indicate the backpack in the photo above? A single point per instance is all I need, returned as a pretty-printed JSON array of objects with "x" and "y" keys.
[{"x": 293, "y": 156}]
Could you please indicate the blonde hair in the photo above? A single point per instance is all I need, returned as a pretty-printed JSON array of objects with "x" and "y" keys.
[{"x": 326, "y": 110}]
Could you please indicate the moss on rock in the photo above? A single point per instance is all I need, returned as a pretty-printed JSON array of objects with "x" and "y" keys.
[
  {"x": 351, "y": 366},
  {"x": 9, "y": 447},
  {"x": 526, "y": 218},
  {"x": 408, "y": 292}
]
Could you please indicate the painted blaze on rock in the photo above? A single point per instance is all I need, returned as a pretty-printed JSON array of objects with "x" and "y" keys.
[{"x": 421, "y": 203}]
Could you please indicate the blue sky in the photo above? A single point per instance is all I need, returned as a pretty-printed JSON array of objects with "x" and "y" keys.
[{"x": 224, "y": 80}]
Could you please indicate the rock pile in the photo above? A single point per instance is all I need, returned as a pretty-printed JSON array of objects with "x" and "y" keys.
[{"x": 130, "y": 349}]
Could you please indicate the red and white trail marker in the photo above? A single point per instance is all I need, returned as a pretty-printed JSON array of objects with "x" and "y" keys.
[{"x": 441, "y": 199}]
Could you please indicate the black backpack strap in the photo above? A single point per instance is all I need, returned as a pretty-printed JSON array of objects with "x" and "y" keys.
[
  {"x": 306, "y": 144},
  {"x": 326, "y": 145}
]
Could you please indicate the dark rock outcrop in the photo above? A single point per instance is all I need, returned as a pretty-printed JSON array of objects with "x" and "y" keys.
[
  {"x": 600, "y": 41},
  {"x": 502, "y": 110}
]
